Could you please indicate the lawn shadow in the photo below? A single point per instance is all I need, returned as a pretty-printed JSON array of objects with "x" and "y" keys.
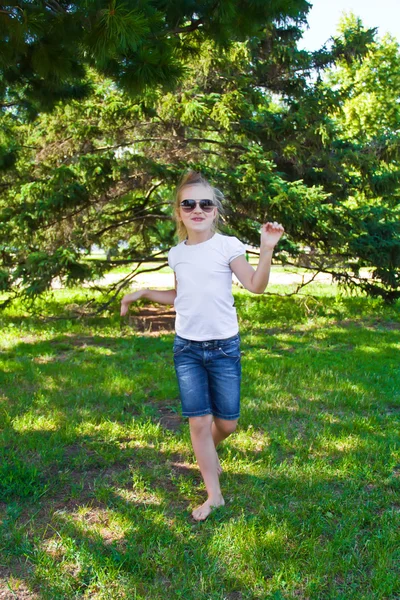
[
  {"x": 130, "y": 535},
  {"x": 119, "y": 469}
]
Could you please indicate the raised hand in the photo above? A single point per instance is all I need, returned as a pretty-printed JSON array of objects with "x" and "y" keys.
[
  {"x": 271, "y": 233},
  {"x": 128, "y": 299}
]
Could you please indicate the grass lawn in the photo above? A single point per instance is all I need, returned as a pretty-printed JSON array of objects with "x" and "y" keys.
[
  {"x": 98, "y": 480},
  {"x": 253, "y": 260}
]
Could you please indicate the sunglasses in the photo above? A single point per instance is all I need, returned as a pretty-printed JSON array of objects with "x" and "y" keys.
[{"x": 189, "y": 205}]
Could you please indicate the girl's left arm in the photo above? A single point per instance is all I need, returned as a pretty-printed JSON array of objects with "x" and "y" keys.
[{"x": 256, "y": 280}]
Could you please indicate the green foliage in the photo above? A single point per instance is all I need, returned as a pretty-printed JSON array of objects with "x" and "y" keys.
[
  {"x": 41, "y": 201},
  {"x": 278, "y": 142},
  {"x": 370, "y": 87},
  {"x": 36, "y": 273},
  {"x": 45, "y": 47}
]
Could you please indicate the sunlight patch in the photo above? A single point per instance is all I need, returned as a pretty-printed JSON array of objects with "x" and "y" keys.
[{"x": 30, "y": 421}]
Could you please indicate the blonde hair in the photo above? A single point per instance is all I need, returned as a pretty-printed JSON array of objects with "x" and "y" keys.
[{"x": 195, "y": 178}]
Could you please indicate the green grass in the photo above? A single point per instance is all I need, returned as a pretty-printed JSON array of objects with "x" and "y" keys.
[
  {"x": 124, "y": 270},
  {"x": 253, "y": 260},
  {"x": 98, "y": 479}
]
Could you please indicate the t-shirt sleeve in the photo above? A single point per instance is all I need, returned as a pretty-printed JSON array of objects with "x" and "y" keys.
[
  {"x": 234, "y": 248},
  {"x": 171, "y": 261}
]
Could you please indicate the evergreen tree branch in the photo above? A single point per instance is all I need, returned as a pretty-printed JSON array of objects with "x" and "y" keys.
[
  {"x": 52, "y": 4},
  {"x": 195, "y": 24},
  {"x": 101, "y": 232},
  {"x": 226, "y": 145}
]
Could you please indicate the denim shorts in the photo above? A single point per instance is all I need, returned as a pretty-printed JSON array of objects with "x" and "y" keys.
[{"x": 209, "y": 375}]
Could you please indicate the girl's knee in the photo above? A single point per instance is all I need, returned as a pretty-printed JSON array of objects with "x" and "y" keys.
[
  {"x": 225, "y": 426},
  {"x": 201, "y": 424}
]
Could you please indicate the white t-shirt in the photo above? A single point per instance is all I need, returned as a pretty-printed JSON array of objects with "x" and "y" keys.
[{"x": 204, "y": 303}]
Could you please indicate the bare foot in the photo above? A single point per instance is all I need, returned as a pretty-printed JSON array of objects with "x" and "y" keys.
[
  {"x": 219, "y": 468},
  {"x": 202, "y": 512}
]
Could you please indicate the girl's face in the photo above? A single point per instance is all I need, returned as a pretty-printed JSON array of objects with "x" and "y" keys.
[{"x": 197, "y": 220}]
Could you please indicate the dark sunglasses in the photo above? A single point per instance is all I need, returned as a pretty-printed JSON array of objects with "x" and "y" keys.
[{"x": 205, "y": 205}]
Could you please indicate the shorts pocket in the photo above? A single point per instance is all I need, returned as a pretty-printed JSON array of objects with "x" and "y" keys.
[
  {"x": 231, "y": 350},
  {"x": 179, "y": 347}
]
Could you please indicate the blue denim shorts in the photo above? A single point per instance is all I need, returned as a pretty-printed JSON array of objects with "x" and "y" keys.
[{"x": 209, "y": 375}]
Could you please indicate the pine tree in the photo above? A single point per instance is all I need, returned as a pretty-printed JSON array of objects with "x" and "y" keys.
[
  {"x": 251, "y": 117},
  {"x": 46, "y": 46}
]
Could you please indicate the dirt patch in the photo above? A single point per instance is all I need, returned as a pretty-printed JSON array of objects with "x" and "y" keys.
[
  {"x": 69, "y": 341},
  {"x": 153, "y": 320},
  {"x": 43, "y": 360},
  {"x": 180, "y": 468},
  {"x": 100, "y": 519},
  {"x": 11, "y": 571},
  {"x": 15, "y": 589},
  {"x": 169, "y": 419},
  {"x": 179, "y": 465},
  {"x": 396, "y": 472},
  {"x": 12, "y": 584},
  {"x": 368, "y": 324},
  {"x": 389, "y": 325},
  {"x": 392, "y": 410},
  {"x": 27, "y": 339}
]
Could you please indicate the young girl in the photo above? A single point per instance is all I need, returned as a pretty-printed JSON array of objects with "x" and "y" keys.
[{"x": 207, "y": 342}]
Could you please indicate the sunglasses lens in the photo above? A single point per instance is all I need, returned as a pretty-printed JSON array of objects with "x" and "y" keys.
[
  {"x": 189, "y": 205},
  {"x": 206, "y": 205}
]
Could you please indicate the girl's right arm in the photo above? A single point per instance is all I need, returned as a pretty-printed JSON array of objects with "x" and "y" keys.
[{"x": 160, "y": 296}]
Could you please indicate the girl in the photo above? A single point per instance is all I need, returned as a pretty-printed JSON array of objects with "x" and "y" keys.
[{"x": 207, "y": 342}]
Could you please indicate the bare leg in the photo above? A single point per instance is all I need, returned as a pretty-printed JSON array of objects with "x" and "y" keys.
[
  {"x": 206, "y": 455},
  {"x": 221, "y": 429}
]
